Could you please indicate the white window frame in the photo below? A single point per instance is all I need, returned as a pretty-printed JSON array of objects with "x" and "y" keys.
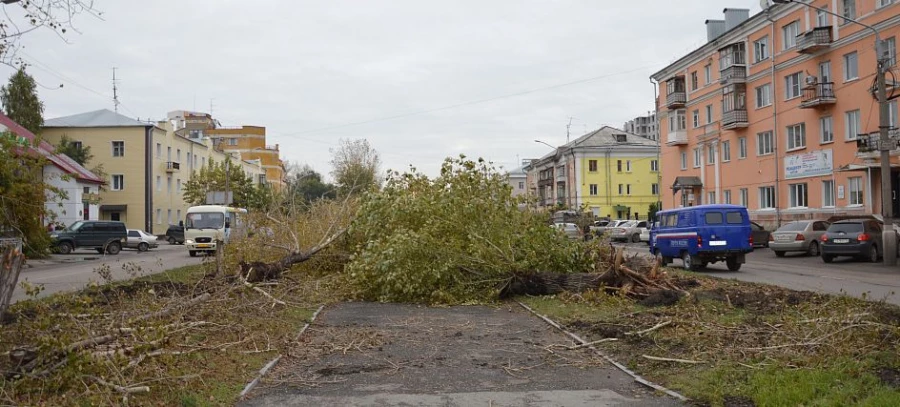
[
  {"x": 707, "y": 74},
  {"x": 793, "y": 86},
  {"x": 798, "y": 195},
  {"x": 684, "y": 160},
  {"x": 851, "y": 66},
  {"x": 592, "y": 188},
  {"x": 696, "y": 117},
  {"x": 711, "y": 197},
  {"x": 158, "y": 216},
  {"x": 121, "y": 151},
  {"x": 711, "y": 154},
  {"x": 848, "y": 11},
  {"x": 744, "y": 195},
  {"x": 855, "y": 191},
  {"x": 726, "y": 151},
  {"x": 761, "y": 49},
  {"x": 627, "y": 165},
  {"x": 796, "y": 136},
  {"x": 169, "y": 184},
  {"x": 828, "y": 200},
  {"x": 698, "y": 157},
  {"x": 852, "y": 125},
  {"x": 654, "y": 166},
  {"x": 654, "y": 189},
  {"x": 115, "y": 185},
  {"x": 891, "y": 45},
  {"x": 763, "y": 95},
  {"x": 742, "y": 148},
  {"x": 709, "y": 114},
  {"x": 765, "y": 143},
  {"x": 767, "y": 197},
  {"x": 826, "y": 130},
  {"x": 158, "y": 150},
  {"x": 726, "y": 198},
  {"x": 158, "y": 183},
  {"x": 892, "y": 113},
  {"x": 822, "y": 17},
  {"x": 789, "y": 34},
  {"x": 882, "y": 3},
  {"x": 178, "y": 185}
]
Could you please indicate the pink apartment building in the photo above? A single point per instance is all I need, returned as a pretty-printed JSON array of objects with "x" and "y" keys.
[{"x": 768, "y": 113}]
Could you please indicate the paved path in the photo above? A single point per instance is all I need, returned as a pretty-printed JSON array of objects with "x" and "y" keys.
[
  {"x": 845, "y": 276},
  {"x": 365, "y": 354},
  {"x": 73, "y": 271}
]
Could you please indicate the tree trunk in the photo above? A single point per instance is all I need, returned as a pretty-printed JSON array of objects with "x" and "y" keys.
[{"x": 11, "y": 261}]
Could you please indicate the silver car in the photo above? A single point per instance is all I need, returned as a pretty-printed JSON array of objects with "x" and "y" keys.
[
  {"x": 571, "y": 230},
  {"x": 798, "y": 236},
  {"x": 629, "y": 231},
  {"x": 143, "y": 241}
]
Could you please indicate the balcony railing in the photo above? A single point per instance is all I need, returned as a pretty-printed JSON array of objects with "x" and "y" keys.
[
  {"x": 172, "y": 166},
  {"x": 735, "y": 119},
  {"x": 676, "y": 100},
  {"x": 814, "y": 40},
  {"x": 676, "y": 138},
  {"x": 819, "y": 94},
  {"x": 733, "y": 74}
]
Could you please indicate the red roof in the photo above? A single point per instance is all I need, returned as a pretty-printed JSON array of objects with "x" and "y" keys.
[{"x": 62, "y": 161}]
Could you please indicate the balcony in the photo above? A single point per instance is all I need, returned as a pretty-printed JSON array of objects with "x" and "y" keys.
[
  {"x": 677, "y": 138},
  {"x": 735, "y": 119},
  {"x": 867, "y": 144},
  {"x": 172, "y": 166},
  {"x": 814, "y": 40},
  {"x": 733, "y": 74},
  {"x": 818, "y": 94},
  {"x": 676, "y": 100}
]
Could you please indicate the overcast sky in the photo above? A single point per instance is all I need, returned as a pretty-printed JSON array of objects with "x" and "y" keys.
[{"x": 420, "y": 79}]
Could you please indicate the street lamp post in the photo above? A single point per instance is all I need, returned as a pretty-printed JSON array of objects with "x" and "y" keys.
[{"x": 887, "y": 207}]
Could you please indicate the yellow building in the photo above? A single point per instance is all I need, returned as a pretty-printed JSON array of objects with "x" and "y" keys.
[
  {"x": 147, "y": 165},
  {"x": 250, "y": 143},
  {"x": 607, "y": 172}
]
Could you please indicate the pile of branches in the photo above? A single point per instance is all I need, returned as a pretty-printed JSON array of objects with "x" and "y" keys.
[{"x": 615, "y": 273}]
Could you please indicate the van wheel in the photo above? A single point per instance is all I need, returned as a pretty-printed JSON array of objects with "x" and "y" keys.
[
  {"x": 635, "y": 238},
  {"x": 733, "y": 264},
  {"x": 143, "y": 247},
  {"x": 688, "y": 261},
  {"x": 813, "y": 249},
  {"x": 873, "y": 254},
  {"x": 113, "y": 248},
  {"x": 172, "y": 240},
  {"x": 64, "y": 247},
  {"x": 193, "y": 253}
]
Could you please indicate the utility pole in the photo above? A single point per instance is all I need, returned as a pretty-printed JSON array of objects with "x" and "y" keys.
[
  {"x": 115, "y": 83},
  {"x": 567, "y": 129}
]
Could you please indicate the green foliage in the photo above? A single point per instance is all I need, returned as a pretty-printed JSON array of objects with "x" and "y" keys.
[
  {"x": 21, "y": 103},
  {"x": 211, "y": 178},
  {"x": 80, "y": 153},
  {"x": 455, "y": 238},
  {"x": 305, "y": 185},
  {"x": 355, "y": 167},
  {"x": 654, "y": 208},
  {"x": 22, "y": 195}
]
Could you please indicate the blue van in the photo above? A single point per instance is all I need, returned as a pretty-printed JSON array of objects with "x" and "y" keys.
[{"x": 704, "y": 234}]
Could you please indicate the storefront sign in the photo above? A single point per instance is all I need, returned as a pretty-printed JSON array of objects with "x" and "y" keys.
[{"x": 811, "y": 164}]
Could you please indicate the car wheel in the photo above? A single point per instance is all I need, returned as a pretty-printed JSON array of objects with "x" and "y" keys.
[
  {"x": 64, "y": 247},
  {"x": 688, "y": 262},
  {"x": 143, "y": 247},
  {"x": 813, "y": 249},
  {"x": 733, "y": 264},
  {"x": 873, "y": 254},
  {"x": 827, "y": 258},
  {"x": 779, "y": 253},
  {"x": 113, "y": 248},
  {"x": 193, "y": 253},
  {"x": 172, "y": 240},
  {"x": 635, "y": 238}
]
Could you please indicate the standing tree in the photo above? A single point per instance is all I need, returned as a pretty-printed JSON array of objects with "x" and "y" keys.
[
  {"x": 81, "y": 154},
  {"x": 211, "y": 178},
  {"x": 21, "y": 102},
  {"x": 55, "y": 15},
  {"x": 305, "y": 185},
  {"x": 355, "y": 167}
]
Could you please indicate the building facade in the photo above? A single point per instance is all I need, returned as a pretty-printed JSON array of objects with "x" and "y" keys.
[
  {"x": 644, "y": 126},
  {"x": 250, "y": 143},
  {"x": 608, "y": 172},
  {"x": 768, "y": 113},
  {"x": 517, "y": 179}
]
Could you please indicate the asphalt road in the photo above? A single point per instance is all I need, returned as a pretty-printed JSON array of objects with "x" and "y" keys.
[
  {"x": 74, "y": 271},
  {"x": 871, "y": 281}
]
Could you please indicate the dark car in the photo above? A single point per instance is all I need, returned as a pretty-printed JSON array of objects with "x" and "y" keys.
[
  {"x": 860, "y": 238},
  {"x": 175, "y": 234},
  {"x": 99, "y": 235},
  {"x": 760, "y": 235}
]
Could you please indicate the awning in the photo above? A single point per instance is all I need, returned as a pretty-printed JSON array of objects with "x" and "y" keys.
[
  {"x": 114, "y": 208},
  {"x": 863, "y": 167},
  {"x": 686, "y": 183},
  {"x": 621, "y": 207}
]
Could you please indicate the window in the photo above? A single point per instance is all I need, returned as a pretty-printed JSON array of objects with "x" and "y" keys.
[
  {"x": 851, "y": 67},
  {"x": 713, "y": 218},
  {"x": 697, "y": 154},
  {"x": 118, "y": 148},
  {"x": 709, "y": 113},
  {"x": 892, "y": 113},
  {"x": 763, "y": 96},
  {"x": 168, "y": 153},
  {"x": 677, "y": 121},
  {"x": 158, "y": 150},
  {"x": 158, "y": 183},
  {"x": 178, "y": 185},
  {"x": 683, "y": 160},
  {"x": 169, "y": 185},
  {"x": 828, "y": 194},
  {"x": 890, "y": 46},
  {"x": 118, "y": 182},
  {"x": 619, "y": 165},
  {"x": 726, "y": 196},
  {"x": 822, "y": 17},
  {"x": 628, "y": 189},
  {"x": 789, "y": 35},
  {"x": 761, "y": 49},
  {"x": 654, "y": 189},
  {"x": 203, "y": 161},
  {"x": 826, "y": 130},
  {"x": 851, "y": 124},
  {"x": 796, "y": 136},
  {"x": 189, "y": 159},
  {"x": 593, "y": 189},
  {"x": 168, "y": 216},
  {"x": 734, "y": 218},
  {"x": 855, "y": 186},
  {"x": 882, "y": 3},
  {"x": 707, "y": 74},
  {"x": 726, "y": 151},
  {"x": 766, "y": 197},
  {"x": 158, "y": 216},
  {"x": 621, "y": 188},
  {"x": 744, "y": 196},
  {"x": 178, "y": 155},
  {"x": 792, "y": 85},
  {"x": 711, "y": 154},
  {"x": 232, "y": 141},
  {"x": 521, "y": 185},
  {"x": 742, "y": 147},
  {"x": 711, "y": 197},
  {"x": 654, "y": 166},
  {"x": 825, "y": 71},
  {"x": 798, "y": 197},
  {"x": 764, "y": 143},
  {"x": 696, "y": 117},
  {"x": 628, "y": 166},
  {"x": 592, "y": 165},
  {"x": 848, "y": 11},
  {"x": 694, "y": 81}
]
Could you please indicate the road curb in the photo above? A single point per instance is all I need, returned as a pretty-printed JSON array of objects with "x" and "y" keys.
[
  {"x": 609, "y": 359},
  {"x": 268, "y": 366}
]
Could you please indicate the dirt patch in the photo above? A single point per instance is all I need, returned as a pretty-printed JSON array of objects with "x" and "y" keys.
[
  {"x": 107, "y": 294},
  {"x": 889, "y": 376},
  {"x": 760, "y": 299},
  {"x": 661, "y": 298}
]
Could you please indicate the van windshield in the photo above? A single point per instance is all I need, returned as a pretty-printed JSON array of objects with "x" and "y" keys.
[{"x": 205, "y": 220}]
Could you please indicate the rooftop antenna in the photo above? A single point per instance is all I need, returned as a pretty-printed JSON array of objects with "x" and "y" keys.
[
  {"x": 567, "y": 129},
  {"x": 211, "y": 106},
  {"x": 115, "y": 91}
]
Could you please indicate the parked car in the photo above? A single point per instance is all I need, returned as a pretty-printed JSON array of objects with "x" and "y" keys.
[
  {"x": 597, "y": 227},
  {"x": 175, "y": 234},
  {"x": 628, "y": 231},
  {"x": 98, "y": 235},
  {"x": 760, "y": 235},
  {"x": 703, "y": 234},
  {"x": 798, "y": 236},
  {"x": 140, "y": 240},
  {"x": 600, "y": 230},
  {"x": 859, "y": 238},
  {"x": 645, "y": 234},
  {"x": 570, "y": 229}
]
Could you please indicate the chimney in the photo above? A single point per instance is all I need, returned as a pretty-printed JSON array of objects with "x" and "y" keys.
[
  {"x": 735, "y": 16},
  {"x": 714, "y": 28}
]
